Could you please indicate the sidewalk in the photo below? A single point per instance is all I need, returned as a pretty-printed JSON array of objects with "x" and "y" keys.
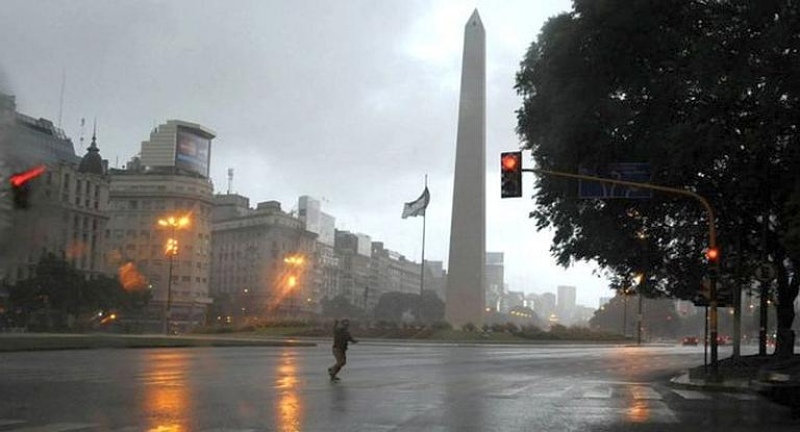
[{"x": 737, "y": 385}]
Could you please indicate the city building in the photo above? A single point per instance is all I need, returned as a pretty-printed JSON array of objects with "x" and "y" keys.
[
  {"x": 436, "y": 278},
  {"x": 263, "y": 261},
  {"x": 324, "y": 278},
  {"x": 356, "y": 280},
  {"x": 494, "y": 281},
  {"x": 182, "y": 146},
  {"x": 392, "y": 272},
  {"x": 145, "y": 242},
  {"x": 565, "y": 309},
  {"x": 66, "y": 212},
  {"x": 545, "y": 306}
]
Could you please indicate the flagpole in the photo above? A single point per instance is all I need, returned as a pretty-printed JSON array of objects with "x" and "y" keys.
[{"x": 422, "y": 265}]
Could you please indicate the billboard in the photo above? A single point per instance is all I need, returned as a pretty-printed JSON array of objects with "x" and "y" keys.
[{"x": 192, "y": 151}]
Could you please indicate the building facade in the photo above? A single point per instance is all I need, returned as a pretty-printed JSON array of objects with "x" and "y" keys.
[
  {"x": 495, "y": 281},
  {"x": 66, "y": 214},
  {"x": 136, "y": 242},
  {"x": 262, "y": 261}
]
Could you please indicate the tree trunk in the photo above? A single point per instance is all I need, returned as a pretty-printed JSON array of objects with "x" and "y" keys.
[{"x": 787, "y": 293}]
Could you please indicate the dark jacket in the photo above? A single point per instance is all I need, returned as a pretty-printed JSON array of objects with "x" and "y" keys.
[{"x": 341, "y": 336}]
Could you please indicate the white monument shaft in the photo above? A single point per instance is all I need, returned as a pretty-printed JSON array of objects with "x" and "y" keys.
[{"x": 467, "y": 259}]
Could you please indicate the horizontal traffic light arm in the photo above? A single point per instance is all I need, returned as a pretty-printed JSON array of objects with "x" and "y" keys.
[{"x": 712, "y": 233}]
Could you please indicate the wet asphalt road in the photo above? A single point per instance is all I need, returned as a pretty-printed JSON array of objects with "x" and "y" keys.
[{"x": 384, "y": 387}]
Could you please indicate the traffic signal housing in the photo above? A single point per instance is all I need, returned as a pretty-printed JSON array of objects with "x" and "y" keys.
[
  {"x": 20, "y": 195},
  {"x": 712, "y": 255},
  {"x": 511, "y": 174},
  {"x": 20, "y": 186}
]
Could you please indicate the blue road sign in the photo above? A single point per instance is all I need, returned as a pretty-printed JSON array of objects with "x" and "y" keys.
[{"x": 632, "y": 172}]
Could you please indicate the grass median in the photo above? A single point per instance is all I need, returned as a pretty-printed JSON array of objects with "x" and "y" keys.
[{"x": 44, "y": 342}]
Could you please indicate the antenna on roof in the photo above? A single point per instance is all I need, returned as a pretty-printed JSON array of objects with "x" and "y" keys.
[
  {"x": 230, "y": 181},
  {"x": 61, "y": 98}
]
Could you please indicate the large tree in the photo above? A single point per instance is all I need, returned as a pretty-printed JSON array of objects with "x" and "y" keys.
[
  {"x": 63, "y": 294},
  {"x": 706, "y": 92}
]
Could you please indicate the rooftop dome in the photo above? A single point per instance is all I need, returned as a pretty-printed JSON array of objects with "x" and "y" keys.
[{"x": 92, "y": 163}]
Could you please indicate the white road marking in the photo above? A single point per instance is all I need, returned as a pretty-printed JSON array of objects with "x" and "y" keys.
[
  {"x": 644, "y": 392},
  {"x": 691, "y": 394},
  {"x": 598, "y": 393}
]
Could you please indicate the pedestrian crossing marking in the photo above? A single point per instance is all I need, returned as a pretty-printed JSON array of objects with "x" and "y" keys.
[
  {"x": 691, "y": 395},
  {"x": 598, "y": 393},
  {"x": 645, "y": 393}
]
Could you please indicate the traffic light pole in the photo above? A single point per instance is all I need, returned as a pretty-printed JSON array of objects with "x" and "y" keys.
[{"x": 712, "y": 241}]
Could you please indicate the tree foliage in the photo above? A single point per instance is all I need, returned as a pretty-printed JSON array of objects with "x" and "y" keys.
[
  {"x": 340, "y": 307},
  {"x": 705, "y": 91},
  {"x": 63, "y": 294}
]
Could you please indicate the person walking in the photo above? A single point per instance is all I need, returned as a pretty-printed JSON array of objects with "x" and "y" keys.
[{"x": 341, "y": 337}]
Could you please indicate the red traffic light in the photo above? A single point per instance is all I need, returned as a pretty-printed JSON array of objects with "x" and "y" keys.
[
  {"x": 712, "y": 254},
  {"x": 511, "y": 174},
  {"x": 510, "y": 161},
  {"x": 23, "y": 177}
]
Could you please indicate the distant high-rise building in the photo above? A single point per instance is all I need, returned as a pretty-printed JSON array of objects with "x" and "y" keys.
[
  {"x": 466, "y": 280},
  {"x": 566, "y": 303},
  {"x": 179, "y": 145},
  {"x": 494, "y": 280},
  {"x": 325, "y": 275},
  {"x": 545, "y": 306},
  {"x": 436, "y": 278}
]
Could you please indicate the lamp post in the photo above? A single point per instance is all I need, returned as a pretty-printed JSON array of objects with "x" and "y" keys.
[
  {"x": 295, "y": 262},
  {"x": 625, "y": 312},
  {"x": 170, "y": 250},
  {"x": 639, "y": 278}
]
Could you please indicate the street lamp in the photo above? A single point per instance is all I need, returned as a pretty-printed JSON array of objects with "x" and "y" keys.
[
  {"x": 295, "y": 262},
  {"x": 170, "y": 250}
]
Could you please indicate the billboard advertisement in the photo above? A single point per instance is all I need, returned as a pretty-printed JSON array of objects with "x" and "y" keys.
[{"x": 192, "y": 151}]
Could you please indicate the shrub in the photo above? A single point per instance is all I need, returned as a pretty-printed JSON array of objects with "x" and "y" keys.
[
  {"x": 469, "y": 327},
  {"x": 442, "y": 325}
]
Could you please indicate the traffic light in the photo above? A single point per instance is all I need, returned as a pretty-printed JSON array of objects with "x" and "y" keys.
[
  {"x": 511, "y": 174},
  {"x": 712, "y": 255},
  {"x": 20, "y": 188},
  {"x": 19, "y": 195}
]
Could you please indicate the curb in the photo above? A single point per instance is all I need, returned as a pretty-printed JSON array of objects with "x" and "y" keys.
[{"x": 731, "y": 386}]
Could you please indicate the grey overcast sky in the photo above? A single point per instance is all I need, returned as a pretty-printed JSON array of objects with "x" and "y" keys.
[{"x": 352, "y": 102}]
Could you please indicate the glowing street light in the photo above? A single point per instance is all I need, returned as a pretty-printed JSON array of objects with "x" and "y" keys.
[
  {"x": 295, "y": 262},
  {"x": 171, "y": 250}
]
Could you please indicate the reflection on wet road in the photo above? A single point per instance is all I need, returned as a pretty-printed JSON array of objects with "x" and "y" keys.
[
  {"x": 167, "y": 392},
  {"x": 398, "y": 387}
]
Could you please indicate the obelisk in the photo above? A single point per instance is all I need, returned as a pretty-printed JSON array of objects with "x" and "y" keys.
[{"x": 467, "y": 259}]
